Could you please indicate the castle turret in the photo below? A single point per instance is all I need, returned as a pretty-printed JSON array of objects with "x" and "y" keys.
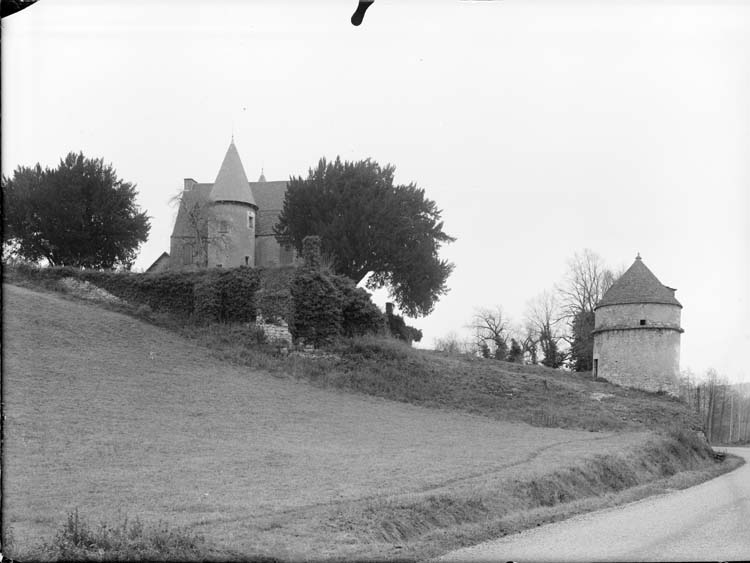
[
  {"x": 233, "y": 215},
  {"x": 637, "y": 332}
]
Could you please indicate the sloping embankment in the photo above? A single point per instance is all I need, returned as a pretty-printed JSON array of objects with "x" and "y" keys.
[{"x": 270, "y": 466}]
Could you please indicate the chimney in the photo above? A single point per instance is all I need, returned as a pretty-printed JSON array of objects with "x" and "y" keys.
[{"x": 189, "y": 183}]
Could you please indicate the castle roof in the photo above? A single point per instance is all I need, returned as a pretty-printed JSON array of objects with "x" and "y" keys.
[
  {"x": 270, "y": 198},
  {"x": 231, "y": 182},
  {"x": 638, "y": 285},
  {"x": 196, "y": 196}
]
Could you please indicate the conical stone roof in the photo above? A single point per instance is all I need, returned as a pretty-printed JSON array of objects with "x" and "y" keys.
[
  {"x": 231, "y": 182},
  {"x": 638, "y": 285}
]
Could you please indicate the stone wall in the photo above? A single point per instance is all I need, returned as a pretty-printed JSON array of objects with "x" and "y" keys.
[
  {"x": 236, "y": 246},
  {"x": 275, "y": 333},
  {"x": 629, "y": 315},
  {"x": 642, "y": 357}
]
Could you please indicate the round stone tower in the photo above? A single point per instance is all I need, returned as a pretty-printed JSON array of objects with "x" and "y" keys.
[
  {"x": 231, "y": 228},
  {"x": 637, "y": 332}
]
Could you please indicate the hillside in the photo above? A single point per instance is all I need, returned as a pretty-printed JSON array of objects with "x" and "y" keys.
[{"x": 116, "y": 417}]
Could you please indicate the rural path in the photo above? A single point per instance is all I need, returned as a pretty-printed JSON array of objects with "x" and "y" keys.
[{"x": 708, "y": 522}]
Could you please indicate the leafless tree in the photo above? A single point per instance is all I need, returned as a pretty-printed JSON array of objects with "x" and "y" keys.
[
  {"x": 585, "y": 283},
  {"x": 491, "y": 328},
  {"x": 195, "y": 212},
  {"x": 545, "y": 319},
  {"x": 452, "y": 344}
]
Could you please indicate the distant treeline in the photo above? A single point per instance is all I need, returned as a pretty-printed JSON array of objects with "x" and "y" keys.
[{"x": 724, "y": 408}]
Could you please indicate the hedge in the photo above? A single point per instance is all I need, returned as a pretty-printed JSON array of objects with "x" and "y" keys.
[
  {"x": 275, "y": 306},
  {"x": 237, "y": 289},
  {"x": 316, "y": 306}
]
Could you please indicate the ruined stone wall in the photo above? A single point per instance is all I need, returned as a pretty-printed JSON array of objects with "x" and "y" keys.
[{"x": 642, "y": 357}]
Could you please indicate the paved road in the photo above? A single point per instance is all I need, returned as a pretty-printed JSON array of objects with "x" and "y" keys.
[{"x": 708, "y": 522}]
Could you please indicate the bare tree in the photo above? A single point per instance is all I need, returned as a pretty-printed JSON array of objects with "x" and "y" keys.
[
  {"x": 544, "y": 318},
  {"x": 585, "y": 283},
  {"x": 491, "y": 328},
  {"x": 194, "y": 213},
  {"x": 452, "y": 344}
]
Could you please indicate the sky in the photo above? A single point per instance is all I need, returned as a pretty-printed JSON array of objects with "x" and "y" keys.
[{"x": 540, "y": 128}]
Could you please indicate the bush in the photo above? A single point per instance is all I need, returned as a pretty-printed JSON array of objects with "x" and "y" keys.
[
  {"x": 399, "y": 329},
  {"x": 380, "y": 348},
  {"x": 207, "y": 295},
  {"x": 237, "y": 290},
  {"x": 169, "y": 292},
  {"x": 360, "y": 315},
  {"x": 275, "y": 306},
  {"x": 317, "y": 308}
]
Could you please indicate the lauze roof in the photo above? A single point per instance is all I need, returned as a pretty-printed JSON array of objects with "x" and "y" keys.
[
  {"x": 269, "y": 197},
  {"x": 231, "y": 182},
  {"x": 638, "y": 285}
]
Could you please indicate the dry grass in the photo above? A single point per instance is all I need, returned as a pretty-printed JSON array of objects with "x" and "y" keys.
[{"x": 117, "y": 418}]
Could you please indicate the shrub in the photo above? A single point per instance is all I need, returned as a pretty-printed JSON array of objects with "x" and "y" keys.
[
  {"x": 207, "y": 306},
  {"x": 224, "y": 295},
  {"x": 237, "y": 289},
  {"x": 170, "y": 292},
  {"x": 276, "y": 279},
  {"x": 398, "y": 327},
  {"x": 316, "y": 308},
  {"x": 360, "y": 315},
  {"x": 275, "y": 306},
  {"x": 381, "y": 348}
]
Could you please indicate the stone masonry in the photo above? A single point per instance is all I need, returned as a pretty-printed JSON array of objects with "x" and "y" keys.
[{"x": 637, "y": 333}]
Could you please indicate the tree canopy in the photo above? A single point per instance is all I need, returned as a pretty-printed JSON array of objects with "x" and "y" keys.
[
  {"x": 78, "y": 214},
  {"x": 368, "y": 225}
]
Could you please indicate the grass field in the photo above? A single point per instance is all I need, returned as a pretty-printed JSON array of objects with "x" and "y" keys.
[{"x": 117, "y": 417}]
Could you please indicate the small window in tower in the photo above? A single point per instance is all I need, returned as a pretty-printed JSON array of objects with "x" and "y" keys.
[
  {"x": 223, "y": 227},
  {"x": 187, "y": 256},
  {"x": 643, "y": 322},
  {"x": 247, "y": 260},
  {"x": 249, "y": 220}
]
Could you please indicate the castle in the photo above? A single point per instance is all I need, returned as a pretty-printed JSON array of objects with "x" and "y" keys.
[
  {"x": 637, "y": 332},
  {"x": 227, "y": 223}
]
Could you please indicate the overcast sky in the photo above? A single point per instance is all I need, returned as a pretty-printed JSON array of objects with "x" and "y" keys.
[{"x": 540, "y": 128}]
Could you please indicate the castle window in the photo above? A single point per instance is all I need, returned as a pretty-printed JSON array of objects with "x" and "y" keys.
[
  {"x": 643, "y": 322},
  {"x": 247, "y": 260},
  {"x": 187, "y": 254},
  {"x": 249, "y": 220},
  {"x": 223, "y": 227}
]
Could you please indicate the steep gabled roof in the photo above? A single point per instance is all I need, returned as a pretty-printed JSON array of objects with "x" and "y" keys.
[
  {"x": 160, "y": 263},
  {"x": 270, "y": 198},
  {"x": 231, "y": 182},
  {"x": 638, "y": 285},
  {"x": 197, "y": 195}
]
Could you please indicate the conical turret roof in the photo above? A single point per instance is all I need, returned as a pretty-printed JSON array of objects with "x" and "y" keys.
[
  {"x": 638, "y": 285},
  {"x": 231, "y": 182}
]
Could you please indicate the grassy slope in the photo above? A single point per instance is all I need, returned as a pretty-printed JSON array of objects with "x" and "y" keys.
[{"x": 115, "y": 416}]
